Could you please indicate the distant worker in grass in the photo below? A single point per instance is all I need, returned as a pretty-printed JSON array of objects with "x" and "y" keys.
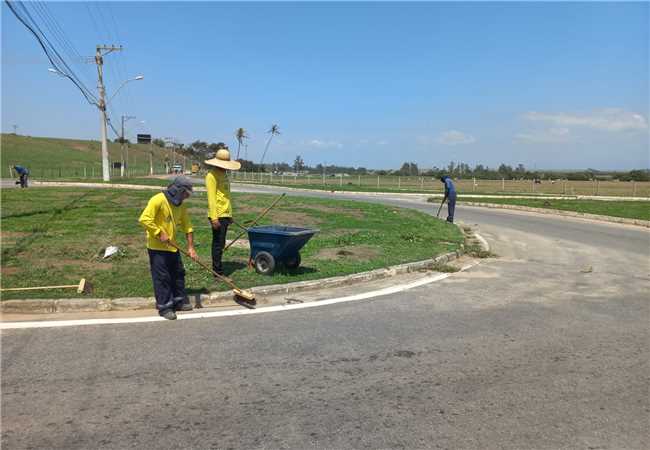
[
  {"x": 450, "y": 197},
  {"x": 23, "y": 174},
  {"x": 164, "y": 216},
  {"x": 217, "y": 185}
]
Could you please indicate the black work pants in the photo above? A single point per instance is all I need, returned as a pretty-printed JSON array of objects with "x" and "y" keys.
[
  {"x": 218, "y": 243},
  {"x": 168, "y": 275}
]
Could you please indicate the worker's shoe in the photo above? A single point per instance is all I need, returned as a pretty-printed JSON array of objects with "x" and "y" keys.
[
  {"x": 168, "y": 314},
  {"x": 184, "y": 307}
]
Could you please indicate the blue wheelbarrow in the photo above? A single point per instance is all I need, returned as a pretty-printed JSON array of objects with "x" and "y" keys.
[{"x": 277, "y": 244}]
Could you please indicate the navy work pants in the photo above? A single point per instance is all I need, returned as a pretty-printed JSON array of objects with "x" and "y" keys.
[
  {"x": 168, "y": 275},
  {"x": 218, "y": 243},
  {"x": 451, "y": 207}
]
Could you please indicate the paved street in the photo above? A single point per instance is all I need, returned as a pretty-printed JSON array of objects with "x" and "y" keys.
[{"x": 544, "y": 347}]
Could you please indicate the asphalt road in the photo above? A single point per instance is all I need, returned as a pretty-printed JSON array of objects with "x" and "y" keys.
[{"x": 544, "y": 347}]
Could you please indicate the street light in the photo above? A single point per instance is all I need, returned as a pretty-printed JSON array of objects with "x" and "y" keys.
[
  {"x": 102, "y": 109},
  {"x": 138, "y": 78}
]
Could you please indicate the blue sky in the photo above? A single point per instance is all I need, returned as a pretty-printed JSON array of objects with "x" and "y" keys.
[{"x": 549, "y": 85}]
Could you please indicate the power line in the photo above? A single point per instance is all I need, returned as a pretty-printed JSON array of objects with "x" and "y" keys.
[
  {"x": 50, "y": 51},
  {"x": 68, "y": 70}
]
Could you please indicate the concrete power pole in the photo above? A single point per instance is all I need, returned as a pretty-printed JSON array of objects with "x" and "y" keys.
[
  {"x": 99, "y": 60},
  {"x": 15, "y": 129},
  {"x": 172, "y": 146},
  {"x": 124, "y": 161}
]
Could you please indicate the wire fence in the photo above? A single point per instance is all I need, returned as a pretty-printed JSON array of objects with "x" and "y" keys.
[
  {"x": 92, "y": 172},
  {"x": 466, "y": 186},
  {"x": 369, "y": 182}
]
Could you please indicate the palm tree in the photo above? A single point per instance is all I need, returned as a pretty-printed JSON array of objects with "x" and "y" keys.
[
  {"x": 273, "y": 131},
  {"x": 240, "y": 134}
]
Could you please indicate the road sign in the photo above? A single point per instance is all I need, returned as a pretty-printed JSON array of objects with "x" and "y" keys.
[{"x": 144, "y": 139}]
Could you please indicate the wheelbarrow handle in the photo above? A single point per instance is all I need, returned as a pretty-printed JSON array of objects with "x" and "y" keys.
[
  {"x": 254, "y": 222},
  {"x": 240, "y": 226}
]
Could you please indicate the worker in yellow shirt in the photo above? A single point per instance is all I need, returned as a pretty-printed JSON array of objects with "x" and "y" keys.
[
  {"x": 219, "y": 202},
  {"x": 163, "y": 217}
]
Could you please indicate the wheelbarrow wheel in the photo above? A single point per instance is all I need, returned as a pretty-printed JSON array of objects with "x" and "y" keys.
[
  {"x": 293, "y": 261},
  {"x": 264, "y": 263}
]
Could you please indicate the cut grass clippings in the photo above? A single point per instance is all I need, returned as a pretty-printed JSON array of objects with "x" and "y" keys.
[
  {"x": 626, "y": 209},
  {"x": 54, "y": 236}
]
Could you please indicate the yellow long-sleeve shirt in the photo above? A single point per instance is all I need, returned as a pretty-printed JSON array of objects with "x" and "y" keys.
[
  {"x": 218, "y": 187},
  {"x": 160, "y": 215}
]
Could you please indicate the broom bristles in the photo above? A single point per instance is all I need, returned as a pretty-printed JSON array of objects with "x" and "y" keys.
[{"x": 246, "y": 295}]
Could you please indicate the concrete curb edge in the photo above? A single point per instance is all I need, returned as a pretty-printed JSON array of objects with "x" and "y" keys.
[
  {"x": 559, "y": 212},
  {"x": 220, "y": 298}
]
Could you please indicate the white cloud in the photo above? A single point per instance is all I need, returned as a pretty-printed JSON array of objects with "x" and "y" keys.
[
  {"x": 610, "y": 119},
  {"x": 382, "y": 142},
  {"x": 323, "y": 144},
  {"x": 453, "y": 137},
  {"x": 545, "y": 136}
]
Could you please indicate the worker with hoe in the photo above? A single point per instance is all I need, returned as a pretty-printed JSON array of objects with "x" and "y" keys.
[
  {"x": 217, "y": 185},
  {"x": 450, "y": 197},
  {"x": 164, "y": 216},
  {"x": 23, "y": 173}
]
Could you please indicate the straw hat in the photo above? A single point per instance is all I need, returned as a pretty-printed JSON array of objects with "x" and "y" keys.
[{"x": 222, "y": 160}]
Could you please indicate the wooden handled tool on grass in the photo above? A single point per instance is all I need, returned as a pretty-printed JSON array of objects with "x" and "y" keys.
[
  {"x": 438, "y": 213},
  {"x": 254, "y": 222},
  {"x": 84, "y": 287},
  {"x": 246, "y": 296}
]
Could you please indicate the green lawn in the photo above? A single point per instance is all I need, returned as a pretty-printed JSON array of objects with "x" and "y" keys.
[
  {"x": 52, "y": 158},
  {"x": 55, "y": 236},
  {"x": 627, "y": 209}
]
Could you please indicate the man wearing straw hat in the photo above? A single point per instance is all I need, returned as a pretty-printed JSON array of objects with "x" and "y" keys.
[{"x": 219, "y": 202}]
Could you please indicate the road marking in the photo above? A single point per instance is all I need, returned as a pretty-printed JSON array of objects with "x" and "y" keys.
[{"x": 236, "y": 312}]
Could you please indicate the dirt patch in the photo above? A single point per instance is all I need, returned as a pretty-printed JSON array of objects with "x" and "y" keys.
[
  {"x": 293, "y": 219},
  {"x": 356, "y": 253},
  {"x": 80, "y": 264},
  {"x": 242, "y": 243},
  {"x": 352, "y": 212},
  {"x": 340, "y": 232},
  {"x": 7, "y": 271},
  {"x": 82, "y": 147},
  {"x": 8, "y": 238}
]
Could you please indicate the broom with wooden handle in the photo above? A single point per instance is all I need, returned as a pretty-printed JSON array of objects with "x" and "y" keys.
[{"x": 246, "y": 296}]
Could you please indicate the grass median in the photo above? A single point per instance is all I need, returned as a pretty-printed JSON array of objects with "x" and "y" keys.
[
  {"x": 54, "y": 236},
  {"x": 626, "y": 209}
]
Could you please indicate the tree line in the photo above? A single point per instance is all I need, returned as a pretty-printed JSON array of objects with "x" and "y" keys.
[{"x": 201, "y": 150}]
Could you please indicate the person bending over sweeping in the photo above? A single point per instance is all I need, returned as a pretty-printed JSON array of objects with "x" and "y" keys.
[
  {"x": 450, "y": 197},
  {"x": 219, "y": 202},
  {"x": 164, "y": 215},
  {"x": 23, "y": 174}
]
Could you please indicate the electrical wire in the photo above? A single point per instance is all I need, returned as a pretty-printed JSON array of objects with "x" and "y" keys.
[{"x": 57, "y": 61}]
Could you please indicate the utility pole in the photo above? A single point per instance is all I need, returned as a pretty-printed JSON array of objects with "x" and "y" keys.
[
  {"x": 172, "y": 143},
  {"x": 99, "y": 60},
  {"x": 150, "y": 158},
  {"x": 124, "y": 162},
  {"x": 15, "y": 129}
]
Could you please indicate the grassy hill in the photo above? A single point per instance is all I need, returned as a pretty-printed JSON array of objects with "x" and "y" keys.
[{"x": 46, "y": 157}]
